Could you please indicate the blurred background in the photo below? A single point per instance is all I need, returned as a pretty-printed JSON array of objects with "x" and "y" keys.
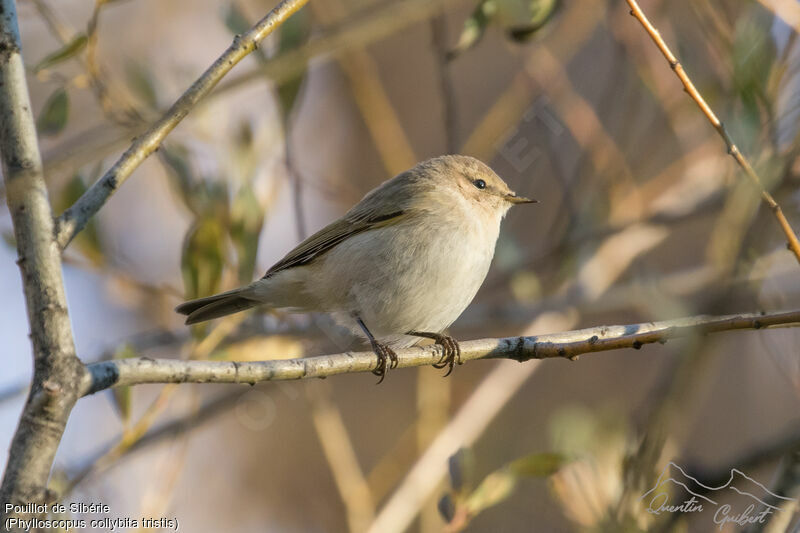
[{"x": 642, "y": 216}]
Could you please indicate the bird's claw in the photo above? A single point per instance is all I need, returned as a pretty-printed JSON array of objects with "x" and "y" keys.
[
  {"x": 387, "y": 359},
  {"x": 451, "y": 353}
]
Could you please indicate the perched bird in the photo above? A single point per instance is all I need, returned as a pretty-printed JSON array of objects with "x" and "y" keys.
[{"x": 403, "y": 263}]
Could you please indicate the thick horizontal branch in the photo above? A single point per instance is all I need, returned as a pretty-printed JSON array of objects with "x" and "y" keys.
[
  {"x": 568, "y": 344},
  {"x": 74, "y": 219}
]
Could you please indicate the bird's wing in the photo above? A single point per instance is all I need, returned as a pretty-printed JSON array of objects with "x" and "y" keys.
[
  {"x": 386, "y": 205},
  {"x": 332, "y": 234}
]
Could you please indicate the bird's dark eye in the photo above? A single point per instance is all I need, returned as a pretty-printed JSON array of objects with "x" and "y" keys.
[{"x": 479, "y": 184}]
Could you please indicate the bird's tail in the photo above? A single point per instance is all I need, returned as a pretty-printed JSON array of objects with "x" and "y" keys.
[{"x": 222, "y": 304}]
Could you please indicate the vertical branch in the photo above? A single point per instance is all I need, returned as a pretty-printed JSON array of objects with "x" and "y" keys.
[
  {"x": 57, "y": 370},
  {"x": 446, "y": 89}
]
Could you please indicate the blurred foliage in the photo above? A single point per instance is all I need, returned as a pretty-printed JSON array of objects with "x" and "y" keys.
[
  {"x": 526, "y": 286},
  {"x": 204, "y": 197},
  {"x": 235, "y": 19},
  {"x": 219, "y": 220},
  {"x": 55, "y": 112},
  {"x": 140, "y": 82},
  {"x": 247, "y": 218},
  {"x": 203, "y": 257},
  {"x": 591, "y": 487},
  {"x": 754, "y": 58},
  {"x": 204, "y": 246},
  {"x": 71, "y": 49},
  {"x": 520, "y": 19},
  {"x": 87, "y": 241},
  {"x": 465, "y": 501}
]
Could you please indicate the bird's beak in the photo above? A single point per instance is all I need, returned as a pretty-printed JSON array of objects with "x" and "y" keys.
[{"x": 514, "y": 199}]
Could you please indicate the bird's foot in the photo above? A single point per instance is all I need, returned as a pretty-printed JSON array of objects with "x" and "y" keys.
[
  {"x": 451, "y": 351},
  {"x": 387, "y": 359}
]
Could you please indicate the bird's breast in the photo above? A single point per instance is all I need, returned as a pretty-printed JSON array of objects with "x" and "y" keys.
[{"x": 419, "y": 274}]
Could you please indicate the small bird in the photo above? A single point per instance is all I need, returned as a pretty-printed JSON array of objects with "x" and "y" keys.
[{"x": 402, "y": 264}]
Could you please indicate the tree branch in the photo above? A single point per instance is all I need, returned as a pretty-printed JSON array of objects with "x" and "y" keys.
[
  {"x": 570, "y": 344},
  {"x": 57, "y": 370},
  {"x": 75, "y": 218},
  {"x": 733, "y": 150}
]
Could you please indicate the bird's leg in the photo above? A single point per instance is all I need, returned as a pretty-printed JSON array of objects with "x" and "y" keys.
[
  {"x": 451, "y": 351},
  {"x": 384, "y": 353}
]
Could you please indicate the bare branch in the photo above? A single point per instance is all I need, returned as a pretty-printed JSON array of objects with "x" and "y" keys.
[
  {"x": 75, "y": 218},
  {"x": 569, "y": 344},
  {"x": 57, "y": 370},
  {"x": 733, "y": 150}
]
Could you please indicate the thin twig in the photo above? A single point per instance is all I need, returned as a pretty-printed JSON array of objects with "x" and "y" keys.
[
  {"x": 569, "y": 344},
  {"x": 76, "y": 217},
  {"x": 733, "y": 150}
]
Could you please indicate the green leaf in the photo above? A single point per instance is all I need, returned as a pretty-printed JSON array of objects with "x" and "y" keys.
[
  {"x": 67, "y": 51},
  {"x": 539, "y": 13},
  {"x": 175, "y": 158},
  {"x": 203, "y": 258},
  {"x": 521, "y": 19},
  {"x": 538, "y": 464},
  {"x": 141, "y": 84},
  {"x": 123, "y": 399},
  {"x": 54, "y": 114},
  {"x": 495, "y": 488},
  {"x": 203, "y": 197},
  {"x": 461, "y": 467},
  {"x": 246, "y": 155},
  {"x": 474, "y": 27},
  {"x": 247, "y": 219},
  {"x": 498, "y": 485},
  {"x": 754, "y": 58}
]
